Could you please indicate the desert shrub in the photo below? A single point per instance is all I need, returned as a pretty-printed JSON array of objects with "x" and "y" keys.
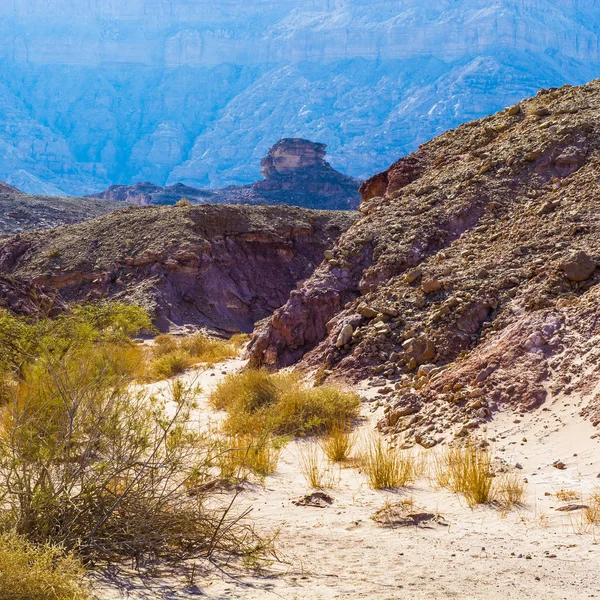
[
  {"x": 387, "y": 467},
  {"x": 208, "y": 350},
  {"x": 164, "y": 344},
  {"x": 90, "y": 462},
  {"x": 239, "y": 340},
  {"x": 184, "y": 202},
  {"x": 170, "y": 364},
  {"x": 510, "y": 489},
  {"x": 246, "y": 392},
  {"x": 31, "y": 572},
  {"x": 23, "y": 340},
  {"x": 257, "y": 401},
  {"x": 240, "y": 454}
]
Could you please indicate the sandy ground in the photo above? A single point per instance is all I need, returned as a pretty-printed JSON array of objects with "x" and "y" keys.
[{"x": 534, "y": 551}]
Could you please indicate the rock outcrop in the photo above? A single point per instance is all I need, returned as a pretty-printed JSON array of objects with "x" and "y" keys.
[
  {"x": 218, "y": 267},
  {"x": 295, "y": 173},
  {"x": 470, "y": 282}
]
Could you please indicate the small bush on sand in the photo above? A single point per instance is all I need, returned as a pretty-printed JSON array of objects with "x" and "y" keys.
[
  {"x": 338, "y": 442},
  {"x": 387, "y": 467},
  {"x": 257, "y": 401},
  {"x": 30, "y": 572},
  {"x": 247, "y": 392},
  {"x": 171, "y": 364},
  {"x": 510, "y": 489}
]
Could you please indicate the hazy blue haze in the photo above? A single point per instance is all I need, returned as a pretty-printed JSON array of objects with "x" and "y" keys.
[{"x": 94, "y": 92}]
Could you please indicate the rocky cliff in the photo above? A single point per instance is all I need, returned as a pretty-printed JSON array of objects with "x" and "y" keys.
[
  {"x": 295, "y": 173},
  {"x": 221, "y": 267},
  {"x": 470, "y": 283},
  {"x": 169, "y": 91}
]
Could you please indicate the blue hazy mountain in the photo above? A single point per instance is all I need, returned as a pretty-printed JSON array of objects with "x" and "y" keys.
[{"x": 97, "y": 92}]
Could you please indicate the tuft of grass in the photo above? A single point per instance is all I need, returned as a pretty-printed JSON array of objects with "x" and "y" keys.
[
  {"x": 259, "y": 402},
  {"x": 240, "y": 454},
  {"x": 317, "y": 472},
  {"x": 510, "y": 490},
  {"x": 387, "y": 467},
  {"x": 338, "y": 442},
  {"x": 468, "y": 471},
  {"x": 39, "y": 572},
  {"x": 565, "y": 495}
]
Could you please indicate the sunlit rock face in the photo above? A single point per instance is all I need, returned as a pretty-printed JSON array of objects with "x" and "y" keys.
[{"x": 98, "y": 92}]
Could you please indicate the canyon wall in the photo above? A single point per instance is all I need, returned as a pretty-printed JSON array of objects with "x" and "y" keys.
[{"x": 97, "y": 92}]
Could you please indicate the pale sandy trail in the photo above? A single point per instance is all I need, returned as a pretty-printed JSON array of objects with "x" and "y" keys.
[{"x": 340, "y": 552}]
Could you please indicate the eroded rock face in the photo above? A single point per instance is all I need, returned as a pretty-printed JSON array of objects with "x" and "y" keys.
[
  {"x": 470, "y": 279},
  {"x": 25, "y": 299},
  {"x": 295, "y": 173},
  {"x": 220, "y": 267}
]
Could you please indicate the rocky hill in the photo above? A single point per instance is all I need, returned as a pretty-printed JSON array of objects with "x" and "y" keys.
[
  {"x": 470, "y": 283},
  {"x": 295, "y": 173},
  {"x": 21, "y": 212},
  {"x": 167, "y": 91},
  {"x": 221, "y": 267}
]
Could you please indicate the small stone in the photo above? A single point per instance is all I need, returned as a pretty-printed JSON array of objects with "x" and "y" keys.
[
  {"x": 412, "y": 276},
  {"x": 514, "y": 110},
  {"x": 431, "y": 285},
  {"x": 578, "y": 267},
  {"x": 345, "y": 336},
  {"x": 366, "y": 311},
  {"x": 542, "y": 111}
]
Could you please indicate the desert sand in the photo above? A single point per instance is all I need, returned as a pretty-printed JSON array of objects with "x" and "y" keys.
[{"x": 339, "y": 551}]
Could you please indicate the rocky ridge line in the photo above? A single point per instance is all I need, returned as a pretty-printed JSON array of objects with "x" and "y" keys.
[{"x": 217, "y": 267}]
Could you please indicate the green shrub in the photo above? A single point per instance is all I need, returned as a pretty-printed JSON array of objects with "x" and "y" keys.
[
  {"x": 257, "y": 401},
  {"x": 171, "y": 364},
  {"x": 30, "y": 572},
  {"x": 171, "y": 356},
  {"x": 91, "y": 463}
]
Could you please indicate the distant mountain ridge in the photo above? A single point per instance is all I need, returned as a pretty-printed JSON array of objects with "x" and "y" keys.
[
  {"x": 196, "y": 92},
  {"x": 295, "y": 173},
  {"x": 21, "y": 213}
]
